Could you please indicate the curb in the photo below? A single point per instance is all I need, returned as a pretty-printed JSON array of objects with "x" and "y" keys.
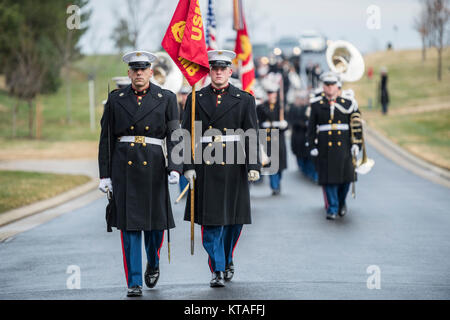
[
  {"x": 22, "y": 212},
  {"x": 405, "y": 159}
]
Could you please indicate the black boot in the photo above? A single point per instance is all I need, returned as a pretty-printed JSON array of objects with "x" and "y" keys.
[
  {"x": 342, "y": 210},
  {"x": 135, "y": 291},
  {"x": 217, "y": 280},
  {"x": 151, "y": 276},
  {"x": 229, "y": 272}
]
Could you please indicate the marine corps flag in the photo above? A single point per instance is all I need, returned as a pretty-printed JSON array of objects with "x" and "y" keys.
[
  {"x": 243, "y": 51},
  {"x": 185, "y": 43}
]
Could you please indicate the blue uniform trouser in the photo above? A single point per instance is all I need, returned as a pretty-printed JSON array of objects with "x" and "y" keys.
[
  {"x": 308, "y": 168},
  {"x": 275, "y": 181},
  {"x": 336, "y": 194},
  {"x": 219, "y": 242},
  {"x": 183, "y": 183},
  {"x": 132, "y": 249}
]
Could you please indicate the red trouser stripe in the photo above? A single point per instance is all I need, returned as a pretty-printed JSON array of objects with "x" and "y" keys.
[
  {"x": 325, "y": 197},
  {"x": 234, "y": 247},
  {"x": 209, "y": 258},
  {"x": 124, "y": 257},
  {"x": 160, "y": 246}
]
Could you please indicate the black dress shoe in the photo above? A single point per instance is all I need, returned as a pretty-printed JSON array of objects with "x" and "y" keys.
[
  {"x": 342, "y": 210},
  {"x": 217, "y": 280},
  {"x": 135, "y": 291},
  {"x": 331, "y": 216},
  {"x": 276, "y": 192},
  {"x": 151, "y": 276},
  {"x": 229, "y": 272}
]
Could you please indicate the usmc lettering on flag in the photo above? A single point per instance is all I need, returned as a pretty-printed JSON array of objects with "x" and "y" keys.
[{"x": 185, "y": 43}]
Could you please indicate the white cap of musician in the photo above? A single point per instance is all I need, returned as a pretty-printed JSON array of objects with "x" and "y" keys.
[{"x": 329, "y": 77}]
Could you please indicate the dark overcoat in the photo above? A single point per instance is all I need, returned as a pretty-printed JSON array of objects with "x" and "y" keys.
[
  {"x": 265, "y": 114},
  {"x": 222, "y": 194},
  {"x": 334, "y": 162},
  {"x": 298, "y": 120},
  {"x": 138, "y": 171}
]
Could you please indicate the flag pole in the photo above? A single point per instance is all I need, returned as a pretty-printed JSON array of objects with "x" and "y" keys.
[{"x": 193, "y": 158}]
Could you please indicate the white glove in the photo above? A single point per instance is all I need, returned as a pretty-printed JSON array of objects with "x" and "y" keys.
[
  {"x": 105, "y": 185},
  {"x": 283, "y": 124},
  {"x": 174, "y": 177},
  {"x": 253, "y": 175},
  {"x": 190, "y": 176},
  {"x": 355, "y": 150},
  {"x": 266, "y": 124},
  {"x": 314, "y": 152}
]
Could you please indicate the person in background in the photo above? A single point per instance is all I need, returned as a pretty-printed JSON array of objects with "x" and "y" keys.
[
  {"x": 298, "y": 117},
  {"x": 384, "y": 94}
]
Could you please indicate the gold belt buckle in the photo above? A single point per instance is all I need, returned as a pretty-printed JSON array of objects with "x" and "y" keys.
[
  {"x": 334, "y": 126},
  {"x": 217, "y": 138},
  {"x": 139, "y": 139}
]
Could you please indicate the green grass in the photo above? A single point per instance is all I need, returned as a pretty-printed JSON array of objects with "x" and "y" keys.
[
  {"x": 55, "y": 125},
  {"x": 413, "y": 86},
  {"x": 20, "y": 188},
  {"x": 411, "y": 81}
]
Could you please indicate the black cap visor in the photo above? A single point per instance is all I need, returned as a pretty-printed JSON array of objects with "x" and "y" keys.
[
  {"x": 219, "y": 63},
  {"x": 139, "y": 65}
]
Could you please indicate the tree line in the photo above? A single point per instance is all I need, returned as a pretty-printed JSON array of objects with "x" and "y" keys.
[{"x": 38, "y": 40}]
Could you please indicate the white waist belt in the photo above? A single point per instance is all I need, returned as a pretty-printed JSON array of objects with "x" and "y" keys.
[
  {"x": 273, "y": 124},
  {"x": 141, "y": 139},
  {"x": 228, "y": 138},
  {"x": 334, "y": 126}
]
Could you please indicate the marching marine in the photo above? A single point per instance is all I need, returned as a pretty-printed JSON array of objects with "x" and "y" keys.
[
  {"x": 330, "y": 124},
  {"x": 132, "y": 163},
  {"x": 270, "y": 117},
  {"x": 222, "y": 197}
]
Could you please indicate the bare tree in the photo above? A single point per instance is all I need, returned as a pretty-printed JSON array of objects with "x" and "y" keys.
[
  {"x": 438, "y": 12},
  {"x": 422, "y": 26},
  {"x": 137, "y": 19}
]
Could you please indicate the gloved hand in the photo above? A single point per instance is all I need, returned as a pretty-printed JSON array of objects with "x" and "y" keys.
[
  {"x": 283, "y": 124},
  {"x": 314, "y": 152},
  {"x": 105, "y": 185},
  {"x": 355, "y": 150},
  {"x": 190, "y": 176},
  {"x": 174, "y": 177},
  {"x": 253, "y": 175}
]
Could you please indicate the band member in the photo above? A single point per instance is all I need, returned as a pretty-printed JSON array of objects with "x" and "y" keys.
[
  {"x": 132, "y": 166},
  {"x": 330, "y": 125},
  {"x": 298, "y": 117},
  {"x": 222, "y": 199},
  {"x": 271, "y": 116}
]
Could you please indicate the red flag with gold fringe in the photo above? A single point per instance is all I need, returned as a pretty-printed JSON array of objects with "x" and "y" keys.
[
  {"x": 243, "y": 51},
  {"x": 185, "y": 42}
]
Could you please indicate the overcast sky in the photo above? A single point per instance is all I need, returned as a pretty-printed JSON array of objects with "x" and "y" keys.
[{"x": 268, "y": 20}]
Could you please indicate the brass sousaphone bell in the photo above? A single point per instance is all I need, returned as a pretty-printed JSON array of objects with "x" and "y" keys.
[{"x": 166, "y": 73}]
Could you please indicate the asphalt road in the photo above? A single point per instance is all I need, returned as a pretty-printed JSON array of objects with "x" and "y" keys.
[{"x": 398, "y": 223}]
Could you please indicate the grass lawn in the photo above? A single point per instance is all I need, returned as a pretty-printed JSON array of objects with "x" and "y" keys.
[
  {"x": 419, "y": 110},
  {"x": 20, "y": 188},
  {"x": 55, "y": 129}
]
